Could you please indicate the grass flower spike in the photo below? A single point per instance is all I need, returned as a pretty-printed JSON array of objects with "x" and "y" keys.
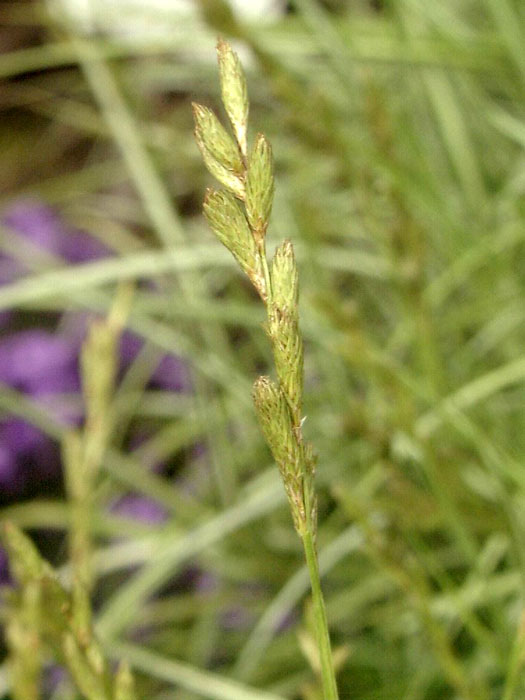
[
  {"x": 259, "y": 187},
  {"x": 220, "y": 154},
  {"x": 228, "y": 222},
  {"x": 213, "y": 137},
  {"x": 274, "y": 417},
  {"x": 234, "y": 93},
  {"x": 283, "y": 329},
  {"x": 239, "y": 217}
]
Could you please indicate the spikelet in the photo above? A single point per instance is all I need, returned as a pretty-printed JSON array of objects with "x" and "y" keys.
[
  {"x": 259, "y": 187},
  {"x": 234, "y": 92}
]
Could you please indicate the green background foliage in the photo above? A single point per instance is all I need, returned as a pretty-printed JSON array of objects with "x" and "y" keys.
[{"x": 398, "y": 135}]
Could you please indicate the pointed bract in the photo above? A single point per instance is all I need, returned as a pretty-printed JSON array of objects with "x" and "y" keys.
[
  {"x": 229, "y": 224},
  {"x": 288, "y": 355},
  {"x": 259, "y": 186},
  {"x": 234, "y": 183},
  {"x": 283, "y": 327},
  {"x": 234, "y": 92},
  {"x": 216, "y": 140},
  {"x": 88, "y": 681},
  {"x": 285, "y": 279},
  {"x": 26, "y": 563},
  {"x": 276, "y": 423}
]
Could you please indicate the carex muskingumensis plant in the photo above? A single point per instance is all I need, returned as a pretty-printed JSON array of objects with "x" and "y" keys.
[{"x": 239, "y": 215}]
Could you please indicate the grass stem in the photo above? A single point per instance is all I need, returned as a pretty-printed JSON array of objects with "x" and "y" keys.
[{"x": 321, "y": 622}]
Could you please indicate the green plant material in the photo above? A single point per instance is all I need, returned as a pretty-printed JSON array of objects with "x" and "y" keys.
[
  {"x": 228, "y": 222},
  {"x": 226, "y": 177},
  {"x": 81, "y": 612},
  {"x": 29, "y": 568},
  {"x": 516, "y": 662},
  {"x": 26, "y": 563},
  {"x": 205, "y": 684},
  {"x": 83, "y": 453},
  {"x": 24, "y": 644},
  {"x": 220, "y": 153},
  {"x": 89, "y": 680},
  {"x": 278, "y": 406},
  {"x": 171, "y": 553},
  {"x": 285, "y": 281},
  {"x": 66, "y": 624},
  {"x": 45, "y": 614},
  {"x": 219, "y": 15},
  {"x": 349, "y": 541},
  {"x": 213, "y": 137},
  {"x": 407, "y": 220},
  {"x": 283, "y": 328},
  {"x": 259, "y": 187},
  {"x": 326, "y": 659},
  {"x": 98, "y": 368},
  {"x": 124, "y": 683},
  {"x": 234, "y": 92},
  {"x": 79, "y": 489},
  {"x": 274, "y": 417},
  {"x": 306, "y": 637},
  {"x": 128, "y": 137}
]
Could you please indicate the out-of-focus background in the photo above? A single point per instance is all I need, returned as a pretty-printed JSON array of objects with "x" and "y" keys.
[{"x": 398, "y": 129}]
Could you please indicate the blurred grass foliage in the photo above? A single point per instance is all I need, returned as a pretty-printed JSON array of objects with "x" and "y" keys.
[{"x": 398, "y": 131}]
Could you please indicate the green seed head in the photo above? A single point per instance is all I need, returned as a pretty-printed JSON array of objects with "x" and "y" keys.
[
  {"x": 234, "y": 183},
  {"x": 274, "y": 417},
  {"x": 229, "y": 224},
  {"x": 283, "y": 327},
  {"x": 276, "y": 423},
  {"x": 210, "y": 132},
  {"x": 259, "y": 186},
  {"x": 234, "y": 92},
  {"x": 285, "y": 279}
]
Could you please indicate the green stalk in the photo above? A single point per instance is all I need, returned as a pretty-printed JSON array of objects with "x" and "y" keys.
[{"x": 321, "y": 622}]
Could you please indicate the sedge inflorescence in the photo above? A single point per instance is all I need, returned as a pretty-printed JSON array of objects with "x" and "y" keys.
[{"x": 239, "y": 215}]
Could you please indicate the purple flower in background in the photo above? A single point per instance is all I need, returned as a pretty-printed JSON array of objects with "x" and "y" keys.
[
  {"x": 26, "y": 455},
  {"x": 39, "y": 363},
  {"x": 42, "y": 227},
  {"x": 171, "y": 374},
  {"x": 43, "y": 363},
  {"x": 54, "y": 676},
  {"x": 140, "y": 508},
  {"x": 237, "y": 617},
  {"x": 42, "y": 366},
  {"x": 5, "y": 577}
]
